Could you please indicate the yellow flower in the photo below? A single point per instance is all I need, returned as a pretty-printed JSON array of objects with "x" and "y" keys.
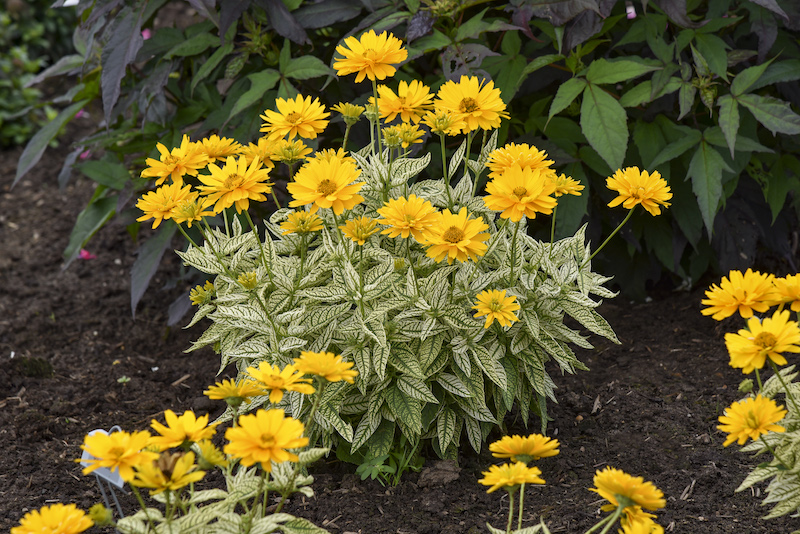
[
  {"x": 325, "y": 365},
  {"x": 638, "y": 187},
  {"x": 301, "y": 116},
  {"x": 262, "y": 150},
  {"x": 510, "y": 476},
  {"x": 263, "y": 437},
  {"x": 301, "y": 222},
  {"x": 191, "y": 209},
  {"x": 233, "y": 392},
  {"x": 408, "y": 217},
  {"x": 477, "y": 104},
  {"x": 326, "y": 184},
  {"x": 180, "y": 430},
  {"x": 172, "y": 471},
  {"x": 275, "y": 381},
  {"x": 328, "y": 154},
  {"x": 496, "y": 306},
  {"x": 521, "y": 192},
  {"x": 289, "y": 152},
  {"x": 566, "y": 185},
  {"x": 370, "y": 56},
  {"x": 359, "y": 229},
  {"x": 120, "y": 451},
  {"x": 641, "y": 523},
  {"x": 235, "y": 184},
  {"x": 158, "y": 204},
  {"x": 612, "y": 483},
  {"x": 523, "y": 155},
  {"x": 787, "y": 290},
  {"x": 443, "y": 122},
  {"x": 411, "y": 101},
  {"x": 750, "y": 418},
  {"x": 218, "y": 148},
  {"x": 409, "y": 134},
  {"x": 750, "y": 348},
  {"x": 391, "y": 137},
  {"x": 54, "y": 519},
  {"x": 745, "y": 293},
  {"x": 524, "y": 448},
  {"x": 210, "y": 456},
  {"x": 200, "y": 295},
  {"x": 351, "y": 113},
  {"x": 182, "y": 160},
  {"x": 457, "y": 237},
  {"x": 248, "y": 280}
]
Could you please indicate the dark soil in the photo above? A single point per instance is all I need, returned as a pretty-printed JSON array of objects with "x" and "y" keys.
[{"x": 648, "y": 406}]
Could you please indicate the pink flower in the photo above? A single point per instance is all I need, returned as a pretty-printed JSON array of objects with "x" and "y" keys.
[
  {"x": 86, "y": 255},
  {"x": 630, "y": 10},
  {"x": 85, "y": 154},
  {"x": 79, "y": 114},
  {"x": 146, "y": 34}
]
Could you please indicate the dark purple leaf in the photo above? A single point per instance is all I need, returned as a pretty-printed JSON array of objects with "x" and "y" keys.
[
  {"x": 763, "y": 25},
  {"x": 325, "y": 13},
  {"x": 581, "y": 29},
  {"x": 119, "y": 52},
  {"x": 420, "y": 24},
  {"x": 561, "y": 12},
  {"x": 178, "y": 309},
  {"x": 207, "y": 8},
  {"x": 229, "y": 12},
  {"x": 148, "y": 260},
  {"x": 773, "y": 6},
  {"x": 282, "y": 21},
  {"x": 676, "y": 11},
  {"x": 521, "y": 16}
]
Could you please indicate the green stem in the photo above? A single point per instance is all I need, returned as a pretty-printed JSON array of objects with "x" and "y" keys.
[
  {"x": 227, "y": 226},
  {"x": 617, "y": 229},
  {"x": 377, "y": 117},
  {"x": 758, "y": 379},
  {"x": 361, "y": 281},
  {"x": 466, "y": 160},
  {"x": 553, "y": 228},
  {"x": 512, "y": 280},
  {"x": 510, "y": 512},
  {"x": 446, "y": 175},
  {"x": 274, "y": 197},
  {"x": 521, "y": 500},
  {"x": 346, "y": 135},
  {"x": 187, "y": 236},
  {"x": 411, "y": 264},
  {"x": 772, "y": 451},
  {"x": 260, "y": 246},
  {"x": 786, "y": 391},
  {"x": 144, "y": 507},
  {"x": 608, "y": 521}
]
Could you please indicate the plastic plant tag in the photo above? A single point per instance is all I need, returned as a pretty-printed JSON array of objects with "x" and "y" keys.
[{"x": 103, "y": 472}]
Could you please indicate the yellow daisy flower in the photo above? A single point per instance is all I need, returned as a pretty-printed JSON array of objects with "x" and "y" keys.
[
  {"x": 301, "y": 222},
  {"x": 371, "y": 56},
  {"x": 443, "y": 122},
  {"x": 391, "y": 137},
  {"x": 523, "y": 155},
  {"x": 262, "y": 149},
  {"x": 611, "y": 483},
  {"x": 750, "y": 347},
  {"x": 248, "y": 280},
  {"x": 521, "y": 192},
  {"x": 182, "y": 160},
  {"x": 218, "y": 148},
  {"x": 200, "y": 295},
  {"x": 566, "y": 185},
  {"x": 745, "y": 293},
  {"x": 326, "y": 365},
  {"x": 496, "y": 306},
  {"x": 359, "y": 229},
  {"x": 410, "y": 103},
  {"x": 327, "y": 154},
  {"x": 408, "y": 217},
  {"x": 456, "y": 237},
  {"x": 636, "y": 187},
  {"x": 172, "y": 471},
  {"x": 118, "y": 451},
  {"x": 235, "y": 184},
  {"x": 750, "y": 418},
  {"x": 274, "y": 380},
  {"x": 476, "y": 103},
  {"x": 180, "y": 430},
  {"x": 289, "y": 152},
  {"x": 264, "y": 437},
  {"x": 787, "y": 291},
  {"x": 54, "y": 519},
  {"x": 326, "y": 184},
  {"x": 510, "y": 476},
  {"x": 409, "y": 134},
  {"x": 191, "y": 209},
  {"x": 209, "y": 455},
  {"x": 234, "y": 392},
  {"x": 159, "y": 204},
  {"x": 639, "y": 523},
  {"x": 524, "y": 448},
  {"x": 351, "y": 113},
  {"x": 301, "y": 116}
]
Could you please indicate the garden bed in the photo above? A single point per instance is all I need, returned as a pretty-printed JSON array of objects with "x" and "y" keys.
[{"x": 648, "y": 406}]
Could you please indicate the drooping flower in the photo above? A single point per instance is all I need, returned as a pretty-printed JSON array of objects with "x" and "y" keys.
[
  {"x": 289, "y": 152},
  {"x": 295, "y": 117},
  {"x": 391, "y": 137},
  {"x": 639, "y": 522},
  {"x": 262, "y": 149},
  {"x": 524, "y": 448},
  {"x": 456, "y": 236},
  {"x": 301, "y": 222},
  {"x": 191, "y": 209},
  {"x": 209, "y": 455},
  {"x": 325, "y": 365},
  {"x": 264, "y": 437},
  {"x": 118, "y": 451},
  {"x": 235, "y": 184},
  {"x": 351, "y": 113},
  {"x": 522, "y": 155},
  {"x": 274, "y": 380},
  {"x": 359, "y": 229},
  {"x": 158, "y": 204},
  {"x": 510, "y": 476},
  {"x": 750, "y": 418},
  {"x": 520, "y": 192},
  {"x": 410, "y": 134},
  {"x": 476, "y": 103},
  {"x": 444, "y": 122},
  {"x": 566, "y": 185},
  {"x": 410, "y": 103},
  {"x": 770, "y": 338},
  {"x": 611, "y": 483},
  {"x": 175, "y": 164},
  {"x": 496, "y": 307},
  {"x": 234, "y": 392},
  {"x": 200, "y": 295},
  {"x": 636, "y": 187},
  {"x": 745, "y": 293},
  {"x": 327, "y": 154},
  {"x": 408, "y": 217},
  {"x": 326, "y": 184},
  {"x": 787, "y": 291},
  {"x": 54, "y": 519},
  {"x": 172, "y": 471},
  {"x": 371, "y": 56},
  {"x": 218, "y": 148},
  {"x": 180, "y": 430}
]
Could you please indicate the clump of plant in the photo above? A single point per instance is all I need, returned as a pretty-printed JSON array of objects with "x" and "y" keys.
[
  {"x": 765, "y": 341},
  {"x": 446, "y": 305}
]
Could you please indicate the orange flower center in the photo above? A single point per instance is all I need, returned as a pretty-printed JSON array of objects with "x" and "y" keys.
[
  {"x": 468, "y": 105},
  {"x": 519, "y": 192},
  {"x": 765, "y": 340},
  {"x": 326, "y": 187},
  {"x": 454, "y": 234},
  {"x": 293, "y": 117},
  {"x": 233, "y": 181}
]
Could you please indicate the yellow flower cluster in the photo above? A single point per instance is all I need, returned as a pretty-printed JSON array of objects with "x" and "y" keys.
[{"x": 521, "y": 450}]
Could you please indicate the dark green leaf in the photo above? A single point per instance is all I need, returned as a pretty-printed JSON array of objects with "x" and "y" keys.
[
  {"x": 705, "y": 170},
  {"x": 89, "y": 221},
  {"x": 62, "y": 66},
  {"x": 774, "y": 114},
  {"x": 148, "y": 260},
  {"x": 508, "y": 79},
  {"x": 686, "y": 212},
  {"x": 326, "y": 13},
  {"x": 305, "y": 67},
  {"x": 604, "y": 123},
  {"x": 686, "y": 96},
  {"x": 781, "y": 182},
  {"x": 729, "y": 119},
  {"x": 110, "y": 173},
  {"x": 783, "y": 71},
  {"x": 745, "y": 79},
  {"x": 714, "y": 51},
  {"x": 120, "y": 51},
  {"x": 211, "y": 63},
  {"x": 191, "y": 47},
  {"x": 260, "y": 83},
  {"x": 566, "y": 93},
  {"x": 610, "y": 71},
  {"x": 676, "y": 148}
]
